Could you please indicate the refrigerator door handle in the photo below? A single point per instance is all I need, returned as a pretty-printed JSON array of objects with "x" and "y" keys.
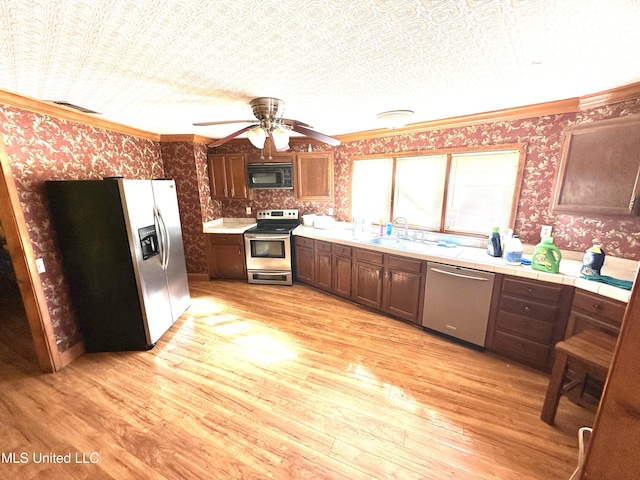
[
  {"x": 156, "y": 217},
  {"x": 166, "y": 240}
]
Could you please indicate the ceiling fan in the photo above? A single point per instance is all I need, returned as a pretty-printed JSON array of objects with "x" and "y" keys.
[{"x": 268, "y": 112}]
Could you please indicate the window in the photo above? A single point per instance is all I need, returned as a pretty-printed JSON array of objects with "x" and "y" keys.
[{"x": 454, "y": 191}]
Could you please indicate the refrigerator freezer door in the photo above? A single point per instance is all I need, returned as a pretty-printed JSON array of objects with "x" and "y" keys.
[
  {"x": 166, "y": 199},
  {"x": 138, "y": 206}
]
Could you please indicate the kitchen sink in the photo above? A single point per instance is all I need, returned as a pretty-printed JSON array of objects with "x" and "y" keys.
[
  {"x": 388, "y": 242},
  {"x": 399, "y": 243}
]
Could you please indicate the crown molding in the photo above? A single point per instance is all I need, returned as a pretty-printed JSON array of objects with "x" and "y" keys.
[
  {"x": 607, "y": 97},
  {"x": 185, "y": 138},
  {"x": 516, "y": 113},
  {"x": 65, "y": 113}
]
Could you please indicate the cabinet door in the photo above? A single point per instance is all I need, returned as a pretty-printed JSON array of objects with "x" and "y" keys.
[
  {"x": 237, "y": 177},
  {"x": 226, "y": 261},
  {"x": 599, "y": 168},
  {"x": 217, "y": 176},
  {"x": 402, "y": 294},
  {"x": 342, "y": 275},
  {"x": 225, "y": 256},
  {"x": 324, "y": 274},
  {"x": 314, "y": 176},
  {"x": 305, "y": 264},
  {"x": 367, "y": 283}
]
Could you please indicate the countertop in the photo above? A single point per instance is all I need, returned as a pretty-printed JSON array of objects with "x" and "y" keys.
[
  {"x": 229, "y": 225},
  {"x": 477, "y": 258}
]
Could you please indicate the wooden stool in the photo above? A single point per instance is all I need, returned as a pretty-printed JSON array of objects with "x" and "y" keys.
[{"x": 591, "y": 347}]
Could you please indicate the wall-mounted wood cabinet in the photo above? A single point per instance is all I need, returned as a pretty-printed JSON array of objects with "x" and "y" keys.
[
  {"x": 228, "y": 176},
  {"x": 314, "y": 176},
  {"x": 599, "y": 168}
]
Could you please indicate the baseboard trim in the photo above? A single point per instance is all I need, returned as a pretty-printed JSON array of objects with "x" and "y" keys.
[
  {"x": 198, "y": 277},
  {"x": 71, "y": 353}
]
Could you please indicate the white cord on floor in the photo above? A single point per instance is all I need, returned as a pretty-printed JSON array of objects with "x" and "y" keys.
[{"x": 581, "y": 433}]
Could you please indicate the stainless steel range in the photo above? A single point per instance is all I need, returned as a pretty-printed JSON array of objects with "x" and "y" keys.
[{"x": 268, "y": 247}]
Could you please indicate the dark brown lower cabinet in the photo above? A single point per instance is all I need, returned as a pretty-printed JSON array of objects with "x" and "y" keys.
[
  {"x": 390, "y": 283},
  {"x": 305, "y": 260},
  {"x": 225, "y": 256},
  {"x": 528, "y": 318}
]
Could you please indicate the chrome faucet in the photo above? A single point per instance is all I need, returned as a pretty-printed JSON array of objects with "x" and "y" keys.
[{"x": 406, "y": 225}]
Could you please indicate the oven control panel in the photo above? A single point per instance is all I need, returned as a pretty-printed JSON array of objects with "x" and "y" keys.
[{"x": 278, "y": 214}]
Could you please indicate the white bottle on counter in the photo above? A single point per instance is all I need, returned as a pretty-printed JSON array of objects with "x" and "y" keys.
[{"x": 513, "y": 251}]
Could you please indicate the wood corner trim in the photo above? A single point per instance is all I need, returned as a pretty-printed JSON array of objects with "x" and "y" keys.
[{"x": 71, "y": 353}]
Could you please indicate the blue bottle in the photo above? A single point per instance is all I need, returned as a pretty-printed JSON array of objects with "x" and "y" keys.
[{"x": 494, "y": 247}]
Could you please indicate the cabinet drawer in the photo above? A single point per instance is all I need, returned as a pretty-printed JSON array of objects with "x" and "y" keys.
[
  {"x": 341, "y": 250},
  {"x": 529, "y": 308},
  {"x": 224, "y": 239},
  {"x": 599, "y": 306},
  {"x": 369, "y": 256},
  {"x": 532, "y": 289},
  {"x": 304, "y": 242},
  {"x": 406, "y": 264},
  {"x": 323, "y": 246},
  {"x": 527, "y": 328},
  {"x": 528, "y": 352}
]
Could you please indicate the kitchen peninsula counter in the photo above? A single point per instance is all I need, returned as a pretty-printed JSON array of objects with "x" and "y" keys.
[{"x": 477, "y": 258}]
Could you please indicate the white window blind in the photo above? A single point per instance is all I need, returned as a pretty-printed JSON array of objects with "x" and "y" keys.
[
  {"x": 371, "y": 189},
  {"x": 480, "y": 193},
  {"x": 419, "y": 189}
]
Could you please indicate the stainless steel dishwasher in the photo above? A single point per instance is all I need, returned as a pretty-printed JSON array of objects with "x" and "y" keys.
[{"x": 457, "y": 302}]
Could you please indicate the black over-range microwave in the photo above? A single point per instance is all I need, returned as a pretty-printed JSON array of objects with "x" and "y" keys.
[{"x": 270, "y": 175}]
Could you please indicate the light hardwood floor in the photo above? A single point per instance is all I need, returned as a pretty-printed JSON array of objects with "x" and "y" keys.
[{"x": 286, "y": 383}]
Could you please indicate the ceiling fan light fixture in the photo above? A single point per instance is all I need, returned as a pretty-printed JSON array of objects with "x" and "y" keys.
[
  {"x": 280, "y": 138},
  {"x": 257, "y": 136},
  {"x": 395, "y": 118}
]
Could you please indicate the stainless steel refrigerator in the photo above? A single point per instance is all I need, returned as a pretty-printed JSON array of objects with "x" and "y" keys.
[{"x": 123, "y": 257}]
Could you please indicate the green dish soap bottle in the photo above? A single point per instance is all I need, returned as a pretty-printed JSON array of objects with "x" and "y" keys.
[{"x": 546, "y": 257}]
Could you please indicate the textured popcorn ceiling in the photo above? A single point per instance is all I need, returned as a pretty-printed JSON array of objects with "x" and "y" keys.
[{"x": 160, "y": 65}]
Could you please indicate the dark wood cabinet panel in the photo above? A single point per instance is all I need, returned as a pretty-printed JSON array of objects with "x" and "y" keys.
[
  {"x": 599, "y": 168},
  {"x": 225, "y": 256},
  {"x": 527, "y": 319},
  {"x": 314, "y": 176},
  {"x": 367, "y": 282},
  {"x": 305, "y": 260},
  {"x": 228, "y": 177},
  {"x": 324, "y": 269},
  {"x": 403, "y": 292},
  {"x": 342, "y": 275}
]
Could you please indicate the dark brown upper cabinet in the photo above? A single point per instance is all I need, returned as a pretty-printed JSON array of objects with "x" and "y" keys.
[{"x": 599, "y": 168}]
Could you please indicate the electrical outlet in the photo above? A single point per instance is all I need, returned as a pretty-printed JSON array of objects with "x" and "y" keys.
[
  {"x": 330, "y": 211},
  {"x": 248, "y": 210},
  {"x": 40, "y": 265},
  {"x": 545, "y": 231}
]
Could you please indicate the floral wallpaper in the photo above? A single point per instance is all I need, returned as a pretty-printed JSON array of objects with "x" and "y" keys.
[
  {"x": 620, "y": 236},
  {"x": 186, "y": 162},
  {"x": 42, "y": 148}
]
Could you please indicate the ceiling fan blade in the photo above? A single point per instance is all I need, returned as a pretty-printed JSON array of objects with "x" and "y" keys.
[
  {"x": 217, "y": 143},
  {"x": 291, "y": 122},
  {"x": 205, "y": 124},
  {"x": 316, "y": 135}
]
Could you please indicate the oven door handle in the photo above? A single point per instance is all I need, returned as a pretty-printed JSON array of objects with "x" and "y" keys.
[{"x": 267, "y": 237}]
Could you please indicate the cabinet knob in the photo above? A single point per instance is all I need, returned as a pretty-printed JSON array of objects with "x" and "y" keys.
[
  {"x": 529, "y": 290},
  {"x": 526, "y": 308},
  {"x": 523, "y": 323},
  {"x": 597, "y": 306}
]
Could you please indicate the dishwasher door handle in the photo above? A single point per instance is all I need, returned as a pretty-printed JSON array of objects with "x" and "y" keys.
[{"x": 469, "y": 277}]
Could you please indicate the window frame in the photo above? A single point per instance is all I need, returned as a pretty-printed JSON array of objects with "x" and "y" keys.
[{"x": 521, "y": 148}]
